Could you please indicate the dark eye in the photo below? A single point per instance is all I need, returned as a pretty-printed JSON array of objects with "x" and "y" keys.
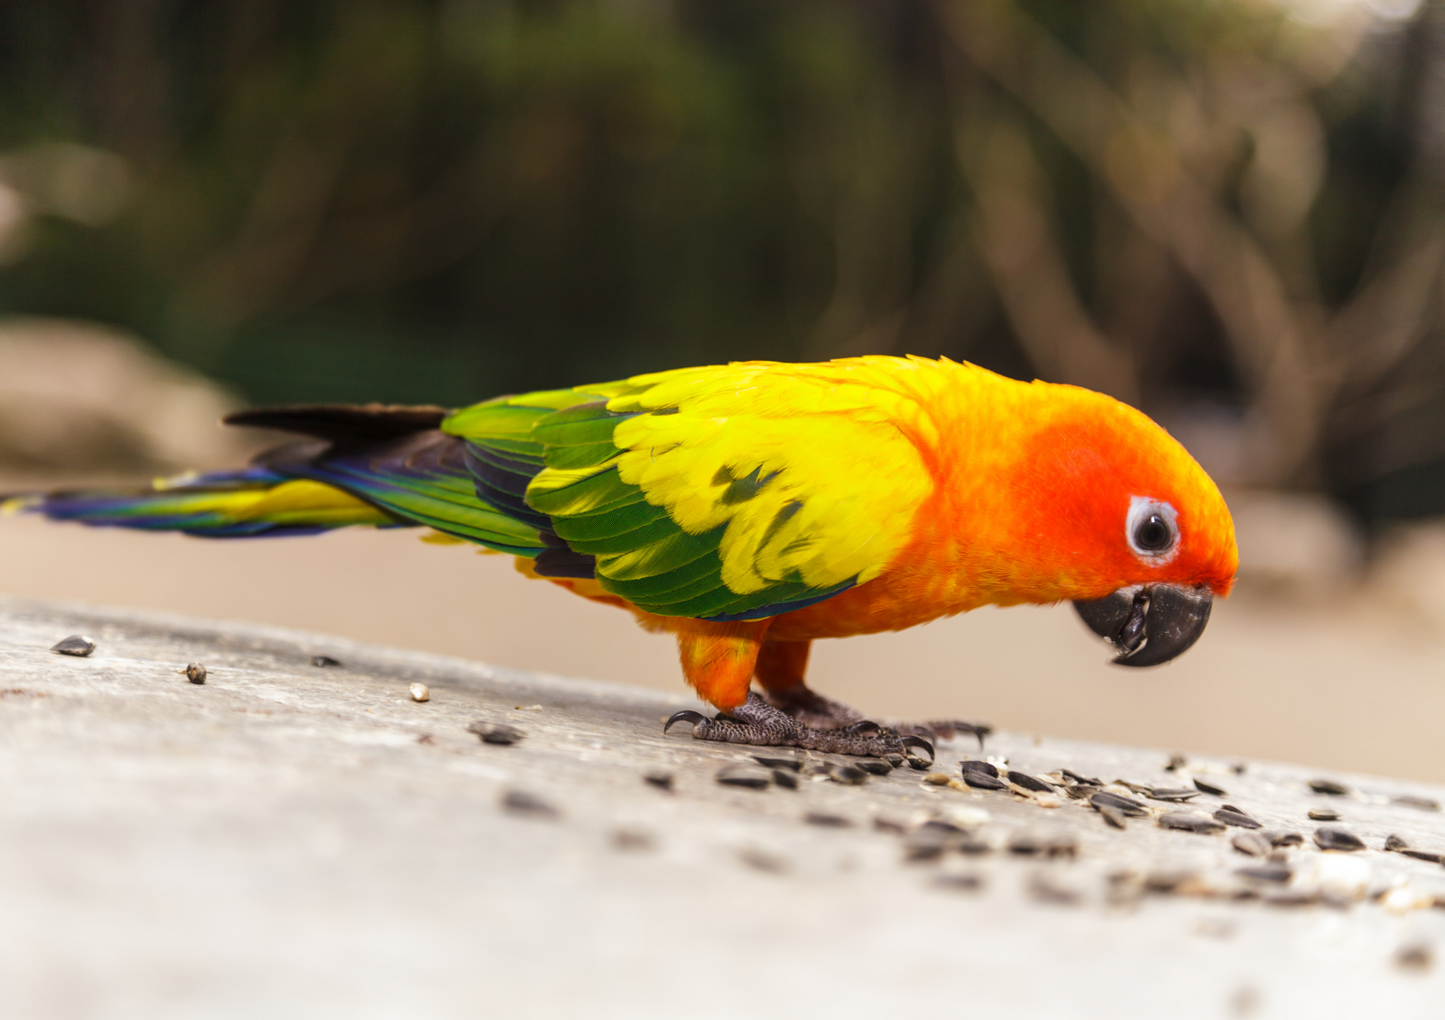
[{"x": 1153, "y": 534}]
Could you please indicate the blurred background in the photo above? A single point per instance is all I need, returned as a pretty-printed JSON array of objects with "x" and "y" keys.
[{"x": 1226, "y": 212}]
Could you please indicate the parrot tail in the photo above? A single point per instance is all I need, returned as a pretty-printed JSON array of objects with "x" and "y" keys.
[{"x": 228, "y": 504}]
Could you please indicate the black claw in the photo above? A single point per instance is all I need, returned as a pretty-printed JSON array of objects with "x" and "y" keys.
[
  {"x": 912, "y": 741},
  {"x": 686, "y": 715},
  {"x": 979, "y": 732},
  {"x": 864, "y": 726}
]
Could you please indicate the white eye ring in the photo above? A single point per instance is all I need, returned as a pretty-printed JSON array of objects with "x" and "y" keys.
[{"x": 1152, "y": 530}]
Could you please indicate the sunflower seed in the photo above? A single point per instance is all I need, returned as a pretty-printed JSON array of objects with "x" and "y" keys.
[
  {"x": 1141, "y": 789},
  {"x": 1425, "y": 855},
  {"x": 787, "y": 780},
  {"x": 194, "y": 672},
  {"x": 77, "y": 644},
  {"x": 920, "y": 848},
  {"x": 661, "y": 780},
  {"x": 1126, "y": 805},
  {"x": 974, "y": 847},
  {"x": 1233, "y": 816},
  {"x": 1277, "y": 837},
  {"x": 1113, "y": 816},
  {"x": 1209, "y": 788},
  {"x": 323, "y": 661},
  {"x": 1416, "y": 956},
  {"x": 937, "y": 779},
  {"x": 1324, "y": 815},
  {"x": 420, "y": 692},
  {"x": 1068, "y": 774},
  {"x": 495, "y": 733},
  {"x": 1176, "y": 762},
  {"x": 847, "y": 775},
  {"x": 827, "y": 821},
  {"x": 973, "y": 765},
  {"x": 984, "y": 781},
  {"x": 874, "y": 766},
  {"x": 957, "y": 882},
  {"x": 746, "y": 776},
  {"x": 1330, "y": 838},
  {"x": 791, "y": 764},
  {"x": 1329, "y": 787},
  {"x": 1027, "y": 845},
  {"x": 1029, "y": 782},
  {"x": 1188, "y": 821},
  {"x": 885, "y": 824},
  {"x": 519, "y": 802},
  {"x": 1173, "y": 795},
  {"x": 1251, "y": 843},
  {"x": 761, "y": 860},
  {"x": 1423, "y": 803},
  {"x": 1266, "y": 873},
  {"x": 1045, "y": 889}
]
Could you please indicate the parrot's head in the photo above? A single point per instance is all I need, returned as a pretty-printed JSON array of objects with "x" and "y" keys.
[{"x": 1137, "y": 535}]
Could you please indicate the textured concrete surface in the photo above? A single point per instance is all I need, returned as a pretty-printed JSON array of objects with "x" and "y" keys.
[{"x": 298, "y": 840}]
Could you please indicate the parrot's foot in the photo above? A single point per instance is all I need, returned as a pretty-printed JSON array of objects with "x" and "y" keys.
[
  {"x": 811, "y": 709},
  {"x": 757, "y": 722}
]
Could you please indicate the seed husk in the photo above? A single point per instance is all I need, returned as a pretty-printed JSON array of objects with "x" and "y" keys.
[
  {"x": 746, "y": 776},
  {"x": 1045, "y": 889},
  {"x": 791, "y": 764},
  {"x": 1266, "y": 873},
  {"x": 323, "y": 661},
  {"x": 874, "y": 766},
  {"x": 975, "y": 765},
  {"x": 520, "y": 802},
  {"x": 495, "y": 733},
  {"x": 787, "y": 780},
  {"x": 1233, "y": 816},
  {"x": 1423, "y": 803},
  {"x": 983, "y": 781},
  {"x": 973, "y": 847},
  {"x": 1173, "y": 795},
  {"x": 1393, "y": 842},
  {"x": 1028, "y": 845},
  {"x": 1120, "y": 803},
  {"x": 1251, "y": 843},
  {"x": 1069, "y": 774},
  {"x": 1188, "y": 821},
  {"x": 1113, "y": 816},
  {"x": 920, "y": 847},
  {"x": 420, "y": 692},
  {"x": 885, "y": 824},
  {"x": 1324, "y": 815},
  {"x": 77, "y": 644},
  {"x": 1209, "y": 788},
  {"x": 1029, "y": 782},
  {"x": 1176, "y": 762},
  {"x": 847, "y": 775},
  {"x": 659, "y": 779},
  {"x": 1425, "y": 855},
  {"x": 761, "y": 860},
  {"x": 1329, "y": 787},
  {"x": 1328, "y": 837},
  {"x": 826, "y": 820},
  {"x": 194, "y": 672}
]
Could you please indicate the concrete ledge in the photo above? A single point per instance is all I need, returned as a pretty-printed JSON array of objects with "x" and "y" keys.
[{"x": 297, "y": 840}]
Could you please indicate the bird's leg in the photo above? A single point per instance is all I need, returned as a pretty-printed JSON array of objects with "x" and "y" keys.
[
  {"x": 780, "y": 669},
  {"x": 757, "y": 722}
]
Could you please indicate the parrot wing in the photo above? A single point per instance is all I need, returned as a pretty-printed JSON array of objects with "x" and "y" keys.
[{"x": 726, "y": 493}]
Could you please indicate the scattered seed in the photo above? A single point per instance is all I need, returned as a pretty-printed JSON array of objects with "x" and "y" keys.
[
  {"x": 1293, "y": 898},
  {"x": 1417, "y": 956},
  {"x": 1176, "y": 762},
  {"x": 659, "y": 779},
  {"x": 884, "y": 824},
  {"x": 1331, "y": 838},
  {"x": 1393, "y": 842},
  {"x": 847, "y": 775},
  {"x": 322, "y": 661},
  {"x": 1209, "y": 788},
  {"x": 974, "y": 847},
  {"x": 922, "y": 847},
  {"x": 746, "y": 776},
  {"x": 1251, "y": 843},
  {"x": 1239, "y": 768},
  {"x": 874, "y": 766},
  {"x": 1172, "y": 795},
  {"x": 1233, "y": 816},
  {"x": 1189, "y": 821},
  {"x": 1068, "y": 774},
  {"x": 761, "y": 860},
  {"x": 787, "y": 780},
  {"x": 632, "y": 840},
  {"x": 894, "y": 759},
  {"x": 1266, "y": 873},
  {"x": 957, "y": 882},
  {"x": 790, "y": 764},
  {"x": 1425, "y": 855},
  {"x": 1423, "y": 803},
  {"x": 1169, "y": 881},
  {"x": 1029, "y": 782},
  {"x": 495, "y": 733},
  {"x": 943, "y": 828},
  {"x": 827, "y": 821},
  {"x": 1142, "y": 789},
  {"x": 1324, "y": 815},
  {"x": 194, "y": 672},
  {"x": 937, "y": 779},
  {"x": 917, "y": 762},
  {"x": 1113, "y": 816},
  {"x": 420, "y": 692},
  {"x": 1329, "y": 787},
  {"x": 1045, "y": 889},
  {"x": 1278, "y": 837},
  {"x": 1125, "y": 805},
  {"x": 77, "y": 644},
  {"x": 522, "y": 803},
  {"x": 974, "y": 765},
  {"x": 983, "y": 781},
  {"x": 1027, "y": 845}
]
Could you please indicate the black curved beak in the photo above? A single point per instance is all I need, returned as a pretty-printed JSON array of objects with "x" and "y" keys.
[{"x": 1151, "y": 623}]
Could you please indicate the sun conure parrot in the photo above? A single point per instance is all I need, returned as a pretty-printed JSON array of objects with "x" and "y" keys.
[{"x": 752, "y": 508}]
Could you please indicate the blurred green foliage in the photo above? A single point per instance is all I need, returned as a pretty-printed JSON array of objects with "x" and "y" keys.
[{"x": 1225, "y": 211}]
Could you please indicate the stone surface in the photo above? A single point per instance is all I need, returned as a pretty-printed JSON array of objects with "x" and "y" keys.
[{"x": 294, "y": 840}]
